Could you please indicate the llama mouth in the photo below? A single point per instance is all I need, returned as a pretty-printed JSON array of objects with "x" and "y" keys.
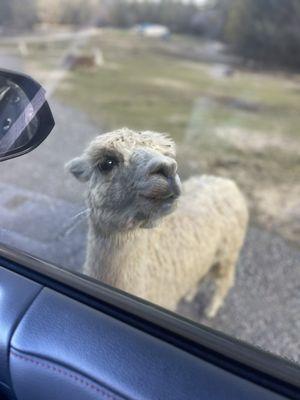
[{"x": 169, "y": 197}]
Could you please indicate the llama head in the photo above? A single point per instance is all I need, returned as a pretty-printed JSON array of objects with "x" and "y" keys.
[{"x": 132, "y": 179}]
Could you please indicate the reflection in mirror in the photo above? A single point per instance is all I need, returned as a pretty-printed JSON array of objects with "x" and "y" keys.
[{"x": 18, "y": 121}]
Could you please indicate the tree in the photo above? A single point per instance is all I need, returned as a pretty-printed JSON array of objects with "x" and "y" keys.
[
  {"x": 266, "y": 30},
  {"x": 5, "y": 12},
  {"x": 175, "y": 14},
  {"x": 14, "y": 15}
]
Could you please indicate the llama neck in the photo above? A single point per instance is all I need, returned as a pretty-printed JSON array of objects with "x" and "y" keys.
[{"x": 108, "y": 257}]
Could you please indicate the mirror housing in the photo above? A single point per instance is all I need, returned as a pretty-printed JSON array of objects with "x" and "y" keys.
[{"x": 25, "y": 116}]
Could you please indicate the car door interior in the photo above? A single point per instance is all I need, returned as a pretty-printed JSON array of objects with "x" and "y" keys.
[{"x": 60, "y": 342}]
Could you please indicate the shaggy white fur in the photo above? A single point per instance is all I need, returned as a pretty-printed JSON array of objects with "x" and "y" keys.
[{"x": 166, "y": 263}]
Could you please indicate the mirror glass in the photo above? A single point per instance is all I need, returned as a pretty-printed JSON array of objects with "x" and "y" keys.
[{"x": 18, "y": 120}]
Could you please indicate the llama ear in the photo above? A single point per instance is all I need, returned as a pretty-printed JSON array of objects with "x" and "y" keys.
[{"x": 80, "y": 168}]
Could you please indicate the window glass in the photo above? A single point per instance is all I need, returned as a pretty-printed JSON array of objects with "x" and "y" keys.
[{"x": 221, "y": 78}]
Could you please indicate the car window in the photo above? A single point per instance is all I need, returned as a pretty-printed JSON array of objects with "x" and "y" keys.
[{"x": 173, "y": 170}]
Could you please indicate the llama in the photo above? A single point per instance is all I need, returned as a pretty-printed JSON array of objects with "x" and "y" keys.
[{"x": 148, "y": 234}]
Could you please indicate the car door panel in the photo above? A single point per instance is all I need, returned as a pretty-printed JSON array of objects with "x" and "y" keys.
[
  {"x": 64, "y": 348},
  {"x": 16, "y": 294},
  {"x": 51, "y": 380}
]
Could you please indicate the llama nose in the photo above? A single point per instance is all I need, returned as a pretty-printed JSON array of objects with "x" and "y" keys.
[{"x": 163, "y": 166}]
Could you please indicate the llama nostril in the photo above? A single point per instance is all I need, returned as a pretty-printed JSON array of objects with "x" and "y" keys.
[
  {"x": 161, "y": 170},
  {"x": 166, "y": 168}
]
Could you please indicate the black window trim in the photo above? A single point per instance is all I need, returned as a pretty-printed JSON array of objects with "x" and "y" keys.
[{"x": 254, "y": 364}]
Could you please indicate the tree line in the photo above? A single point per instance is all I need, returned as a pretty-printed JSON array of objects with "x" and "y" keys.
[{"x": 264, "y": 30}]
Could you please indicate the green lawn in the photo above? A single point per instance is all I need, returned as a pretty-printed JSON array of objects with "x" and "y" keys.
[{"x": 143, "y": 84}]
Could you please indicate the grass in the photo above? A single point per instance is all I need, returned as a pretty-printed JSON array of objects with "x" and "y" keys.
[
  {"x": 143, "y": 85},
  {"x": 163, "y": 86}
]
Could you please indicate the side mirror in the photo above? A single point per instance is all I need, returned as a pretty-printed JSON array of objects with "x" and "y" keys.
[{"x": 25, "y": 116}]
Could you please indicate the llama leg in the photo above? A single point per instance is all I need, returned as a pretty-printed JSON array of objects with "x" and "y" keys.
[
  {"x": 189, "y": 297},
  {"x": 224, "y": 279}
]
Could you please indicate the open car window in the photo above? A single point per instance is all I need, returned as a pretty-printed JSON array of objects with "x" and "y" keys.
[{"x": 221, "y": 80}]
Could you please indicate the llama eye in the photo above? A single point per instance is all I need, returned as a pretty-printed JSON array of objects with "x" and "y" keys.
[{"x": 108, "y": 164}]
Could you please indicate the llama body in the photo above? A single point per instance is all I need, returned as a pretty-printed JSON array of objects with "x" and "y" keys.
[{"x": 166, "y": 261}]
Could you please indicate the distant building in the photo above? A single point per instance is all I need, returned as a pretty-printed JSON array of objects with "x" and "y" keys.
[{"x": 152, "y": 30}]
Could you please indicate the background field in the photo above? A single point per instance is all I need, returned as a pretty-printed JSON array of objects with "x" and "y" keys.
[{"x": 226, "y": 119}]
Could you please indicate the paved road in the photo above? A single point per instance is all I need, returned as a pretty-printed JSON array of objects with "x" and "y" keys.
[
  {"x": 263, "y": 308},
  {"x": 38, "y": 201}
]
